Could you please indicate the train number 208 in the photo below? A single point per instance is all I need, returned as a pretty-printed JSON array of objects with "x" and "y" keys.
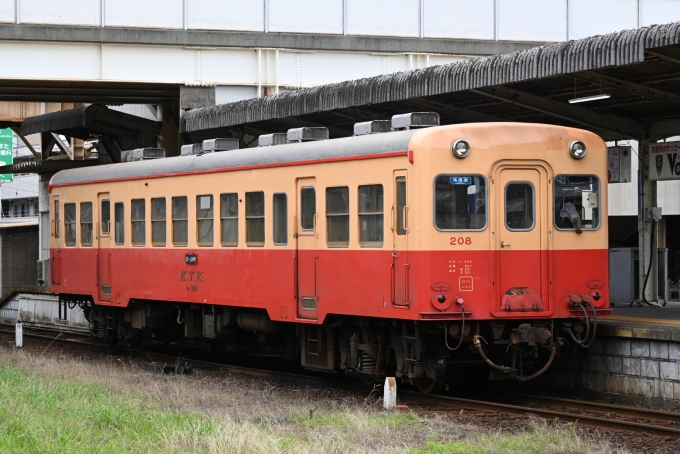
[{"x": 459, "y": 240}]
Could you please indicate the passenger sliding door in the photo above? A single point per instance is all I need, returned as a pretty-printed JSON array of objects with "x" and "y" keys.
[
  {"x": 104, "y": 247},
  {"x": 307, "y": 248},
  {"x": 401, "y": 267}
]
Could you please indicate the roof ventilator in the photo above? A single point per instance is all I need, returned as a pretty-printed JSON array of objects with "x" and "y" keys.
[
  {"x": 277, "y": 138},
  {"x": 372, "y": 127},
  {"x": 415, "y": 120},
  {"x": 208, "y": 146},
  {"x": 192, "y": 148},
  {"x": 307, "y": 134},
  {"x": 141, "y": 154}
]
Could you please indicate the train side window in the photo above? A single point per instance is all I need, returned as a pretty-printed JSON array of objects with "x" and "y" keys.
[
  {"x": 371, "y": 222},
  {"x": 180, "y": 226},
  {"x": 204, "y": 219},
  {"x": 57, "y": 219},
  {"x": 229, "y": 219},
  {"x": 119, "y": 222},
  {"x": 255, "y": 218},
  {"x": 138, "y": 222},
  {"x": 70, "y": 223},
  {"x": 280, "y": 219},
  {"x": 519, "y": 206},
  {"x": 158, "y": 224},
  {"x": 307, "y": 208},
  {"x": 86, "y": 224},
  {"x": 401, "y": 205},
  {"x": 577, "y": 202},
  {"x": 337, "y": 216},
  {"x": 106, "y": 217},
  {"x": 460, "y": 202}
]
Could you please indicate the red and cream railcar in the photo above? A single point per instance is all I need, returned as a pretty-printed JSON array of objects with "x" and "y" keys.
[{"x": 376, "y": 254}]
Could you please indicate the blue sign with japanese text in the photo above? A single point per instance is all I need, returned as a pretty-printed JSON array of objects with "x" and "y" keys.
[{"x": 460, "y": 180}]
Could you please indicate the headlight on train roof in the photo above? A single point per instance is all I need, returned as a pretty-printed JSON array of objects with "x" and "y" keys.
[
  {"x": 577, "y": 149},
  {"x": 460, "y": 148}
]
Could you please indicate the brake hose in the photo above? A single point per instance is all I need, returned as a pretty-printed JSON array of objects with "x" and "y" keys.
[{"x": 462, "y": 331}]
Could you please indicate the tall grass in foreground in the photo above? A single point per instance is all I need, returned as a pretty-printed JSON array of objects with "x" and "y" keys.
[{"x": 60, "y": 404}]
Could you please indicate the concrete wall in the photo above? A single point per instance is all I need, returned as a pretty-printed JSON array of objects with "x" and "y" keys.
[{"x": 41, "y": 310}]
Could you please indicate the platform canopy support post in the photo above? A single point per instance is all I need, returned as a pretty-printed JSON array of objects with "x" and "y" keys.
[{"x": 648, "y": 236}]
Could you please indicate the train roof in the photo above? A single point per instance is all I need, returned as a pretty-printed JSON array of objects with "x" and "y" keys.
[{"x": 347, "y": 147}]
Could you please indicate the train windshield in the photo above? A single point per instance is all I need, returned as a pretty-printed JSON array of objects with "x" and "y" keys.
[
  {"x": 577, "y": 202},
  {"x": 460, "y": 202}
]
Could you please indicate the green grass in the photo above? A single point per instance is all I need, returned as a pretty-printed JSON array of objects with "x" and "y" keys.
[{"x": 60, "y": 417}]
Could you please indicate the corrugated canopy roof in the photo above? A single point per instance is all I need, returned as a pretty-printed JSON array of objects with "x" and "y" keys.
[{"x": 640, "y": 69}]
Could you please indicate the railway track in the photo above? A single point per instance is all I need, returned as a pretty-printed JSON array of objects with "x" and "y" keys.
[{"x": 607, "y": 416}]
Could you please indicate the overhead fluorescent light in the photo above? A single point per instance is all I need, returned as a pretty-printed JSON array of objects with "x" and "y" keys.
[{"x": 590, "y": 98}]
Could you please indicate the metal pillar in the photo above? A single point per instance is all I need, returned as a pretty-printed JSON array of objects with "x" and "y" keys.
[{"x": 648, "y": 242}]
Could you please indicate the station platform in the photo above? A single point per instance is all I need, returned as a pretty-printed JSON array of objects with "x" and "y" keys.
[{"x": 646, "y": 322}]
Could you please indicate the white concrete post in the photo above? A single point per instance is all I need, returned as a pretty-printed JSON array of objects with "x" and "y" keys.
[
  {"x": 390, "y": 393},
  {"x": 19, "y": 335}
]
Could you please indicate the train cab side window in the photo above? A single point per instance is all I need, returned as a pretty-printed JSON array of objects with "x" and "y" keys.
[
  {"x": 280, "y": 219},
  {"x": 229, "y": 219},
  {"x": 158, "y": 224},
  {"x": 577, "y": 202},
  {"x": 106, "y": 217},
  {"x": 337, "y": 216},
  {"x": 70, "y": 223},
  {"x": 401, "y": 205},
  {"x": 138, "y": 222},
  {"x": 204, "y": 219},
  {"x": 57, "y": 219},
  {"x": 371, "y": 222},
  {"x": 460, "y": 202},
  {"x": 180, "y": 226},
  {"x": 255, "y": 218},
  {"x": 86, "y": 224},
  {"x": 307, "y": 208},
  {"x": 119, "y": 222}
]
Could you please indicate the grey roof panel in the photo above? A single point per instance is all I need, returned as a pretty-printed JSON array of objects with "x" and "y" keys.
[{"x": 276, "y": 154}]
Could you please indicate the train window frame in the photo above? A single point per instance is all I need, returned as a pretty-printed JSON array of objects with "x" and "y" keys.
[
  {"x": 138, "y": 225},
  {"x": 486, "y": 201},
  {"x": 335, "y": 215},
  {"x": 303, "y": 204},
  {"x": 119, "y": 222},
  {"x": 368, "y": 243},
  {"x": 204, "y": 217},
  {"x": 228, "y": 217},
  {"x": 277, "y": 225},
  {"x": 176, "y": 220},
  {"x": 533, "y": 206},
  {"x": 105, "y": 232},
  {"x": 599, "y": 202},
  {"x": 250, "y": 218},
  {"x": 86, "y": 225},
  {"x": 157, "y": 220},
  {"x": 72, "y": 220},
  {"x": 57, "y": 219}
]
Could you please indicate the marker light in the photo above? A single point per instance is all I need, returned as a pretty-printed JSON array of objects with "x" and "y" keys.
[
  {"x": 460, "y": 149},
  {"x": 577, "y": 149}
]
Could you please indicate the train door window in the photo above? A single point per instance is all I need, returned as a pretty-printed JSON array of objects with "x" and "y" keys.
[
  {"x": 459, "y": 202},
  {"x": 401, "y": 205},
  {"x": 337, "y": 216},
  {"x": 205, "y": 219},
  {"x": 138, "y": 218},
  {"x": 577, "y": 202},
  {"x": 106, "y": 217},
  {"x": 371, "y": 223},
  {"x": 119, "y": 222},
  {"x": 86, "y": 224},
  {"x": 57, "y": 219},
  {"x": 158, "y": 224},
  {"x": 255, "y": 218},
  {"x": 280, "y": 219},
  {"x": 70, "y": 223},
  {"x": 229, "y": 219},
  {"x": 307, "y": 208},
  {"x": 180, "y": 225},
  {"x": 519, "y": 206}
]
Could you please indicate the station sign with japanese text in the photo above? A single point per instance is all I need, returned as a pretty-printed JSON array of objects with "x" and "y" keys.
[
  {"x": 6, "y": 152},
  {"x": 664, "y": 161}
]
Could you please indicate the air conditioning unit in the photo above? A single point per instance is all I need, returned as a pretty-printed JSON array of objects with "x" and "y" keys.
[{"x": 43, "y": 272}]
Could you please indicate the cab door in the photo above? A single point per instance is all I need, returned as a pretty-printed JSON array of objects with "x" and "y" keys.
[
  {"x": 307, "y": 237},
  {"x": 522, "y": 230},
  {"x": 55, "y": 253},
  {"x": 104, "y": 246},
  {"x": 401, "y": 267}
]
